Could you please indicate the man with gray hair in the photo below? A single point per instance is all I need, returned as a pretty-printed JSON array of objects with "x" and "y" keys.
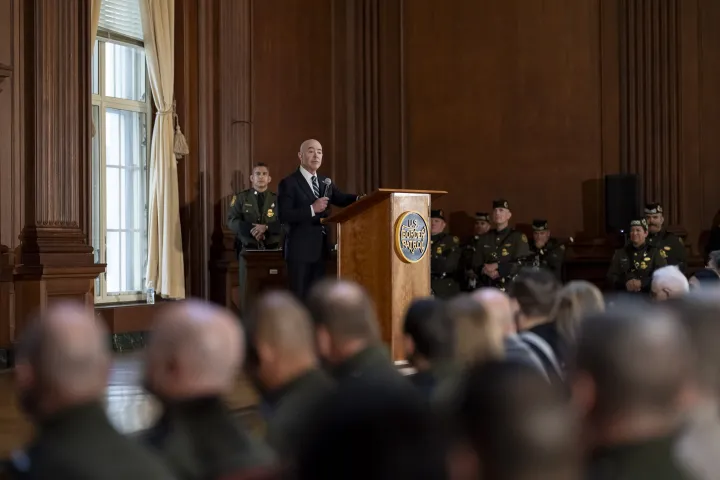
[
  {"x": 348, "y": 334},
  {"x": 62, "y": 369},
  {"x": 668, "y": 282},
  {"x": 499, "y": 308},
  {"x": 193, "y": 358}
]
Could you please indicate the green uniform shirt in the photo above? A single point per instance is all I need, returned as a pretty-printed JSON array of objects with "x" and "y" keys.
[
  {"x": 504, "y": 247},
  {"x": 550, "y": 256},
  {"x": 670, "y": 246},
  {"x": 252, "y": 207},
  {"x": 80, "y": 443},
  {"x": 444, "y": 261},
  {"x": 650, "y": 459},
  {"x": 199, "y": 438},
  {"x": 634, "y": 263},
  {"x": 293, "y": 406}
]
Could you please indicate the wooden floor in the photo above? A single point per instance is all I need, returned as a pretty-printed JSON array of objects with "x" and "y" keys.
[{"x": 129, "y": 407}]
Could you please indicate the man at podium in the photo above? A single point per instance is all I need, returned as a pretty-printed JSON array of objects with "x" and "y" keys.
[{"x": 303, "y": 199}]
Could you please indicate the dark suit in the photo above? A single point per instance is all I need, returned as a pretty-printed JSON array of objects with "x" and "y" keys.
[{"x": 306, "y": 244}]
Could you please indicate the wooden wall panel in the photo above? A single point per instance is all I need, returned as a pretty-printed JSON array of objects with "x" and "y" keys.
[
  {"x": 7, "y": 31},
  {"x": 708, "y": 196},
  {"x": 650, "y": 119},
  {"x": 532, "y": 101},
  {"x": 503, "y": 99},
  {"x": 291, "y": 81}
]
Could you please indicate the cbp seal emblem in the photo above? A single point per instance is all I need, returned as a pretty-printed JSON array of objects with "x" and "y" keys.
[{"x": 411, "y": 237}]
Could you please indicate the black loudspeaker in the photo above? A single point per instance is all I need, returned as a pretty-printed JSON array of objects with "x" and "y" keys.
[{"x": 622, "y": 201}]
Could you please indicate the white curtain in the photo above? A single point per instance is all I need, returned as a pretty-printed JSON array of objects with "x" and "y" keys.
[{"x": 165, "y": 256}]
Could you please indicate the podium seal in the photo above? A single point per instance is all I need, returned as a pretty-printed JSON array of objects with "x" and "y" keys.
[{"x": 411, "y": 237}]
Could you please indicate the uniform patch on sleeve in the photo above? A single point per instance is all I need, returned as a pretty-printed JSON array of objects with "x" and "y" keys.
[{"x": 232, "y": 202}]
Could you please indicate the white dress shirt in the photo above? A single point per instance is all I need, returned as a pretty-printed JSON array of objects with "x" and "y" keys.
[{"x": 308, "y": 178}]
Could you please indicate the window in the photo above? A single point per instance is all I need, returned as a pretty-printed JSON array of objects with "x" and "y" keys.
[{"x": 120, "y": 150}]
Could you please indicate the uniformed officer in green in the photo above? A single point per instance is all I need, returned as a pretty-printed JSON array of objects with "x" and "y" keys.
[
  {"x": 502, "y": 250},
  {"x": 548, "y": 252},
  {"x": 482, "y": 227},
  {"x": 253, "y": 217},
  {"x": 445, "y": 258},
  {"x": 633, "y": 265},
  {"x": 670, "y": 245}
]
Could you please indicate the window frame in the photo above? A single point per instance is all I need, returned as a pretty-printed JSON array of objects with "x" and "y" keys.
[{"x": 102, "y": 102}]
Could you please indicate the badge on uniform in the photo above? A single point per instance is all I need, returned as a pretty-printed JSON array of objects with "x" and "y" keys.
[
  {"x": 663, "y": 254},
  {"x": 270, "y": 213},
  {"x": 439, "y": 250},
  {"x": 643, "y": 266},
  {"x": 456, "y": 240},
  {"x": 666, "y": 248},
  {"x": 647, "y": 259},
  {"x": 504, "y": 253},
  {"x": 524, "y": 238},
  {"x": 232, "y": 202}
]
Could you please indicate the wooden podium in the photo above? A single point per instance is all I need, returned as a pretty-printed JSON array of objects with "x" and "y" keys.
[{"x": 383, "y": 244}]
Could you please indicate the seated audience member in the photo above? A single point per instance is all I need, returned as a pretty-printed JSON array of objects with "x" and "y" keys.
[
  {"x": 632, "y": 266},
  {"x": 628, "y": 380},
  {"x": 516, "y": 426},
  {"x": 365, "y": 431},
  {"x": 573, "y": 303},
  {"x": 714, "y": 261},
  {"x": 192, "y": 359},
  {"x": 62, "y": 371},
  {"x": 698, "y": 448},
  {"x": 429, "y": 341},
  {"x": 669, "y": 282},
  {"x": 288, "y": 369},
  {"x": 348, "y": 335},
  {"x": 533, "y": 293},
  {"x": 499, "y": 309},
  {"x": 705, "y": 278},
  {"x": 477, "y": 338}
]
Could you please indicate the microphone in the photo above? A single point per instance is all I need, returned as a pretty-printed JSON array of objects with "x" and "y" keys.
[{"x": 328, "y": 188}]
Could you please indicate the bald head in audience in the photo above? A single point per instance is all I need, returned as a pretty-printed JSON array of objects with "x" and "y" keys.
[
  {"x": 284, "y": 339},
  {"x": 63, "y": 360},
  {"x": 345, "y": 319},
  {"x": 499, "y": 308},
  {"x": 631, "y": 370},
  {"x": 195, "y": 349}
]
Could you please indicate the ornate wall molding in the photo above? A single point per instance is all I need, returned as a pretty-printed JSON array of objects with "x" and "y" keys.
[
  {"x": 57, "y": 132},
  {"x": 54, "y": 260}
]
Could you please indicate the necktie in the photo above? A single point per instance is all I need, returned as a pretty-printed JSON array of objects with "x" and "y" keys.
[{"x": 316, "y": 187}]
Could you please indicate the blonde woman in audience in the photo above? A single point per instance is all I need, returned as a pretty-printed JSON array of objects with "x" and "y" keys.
[
  {"x": 574, "y": 301},
  {"x": 477, "y": 338}
]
